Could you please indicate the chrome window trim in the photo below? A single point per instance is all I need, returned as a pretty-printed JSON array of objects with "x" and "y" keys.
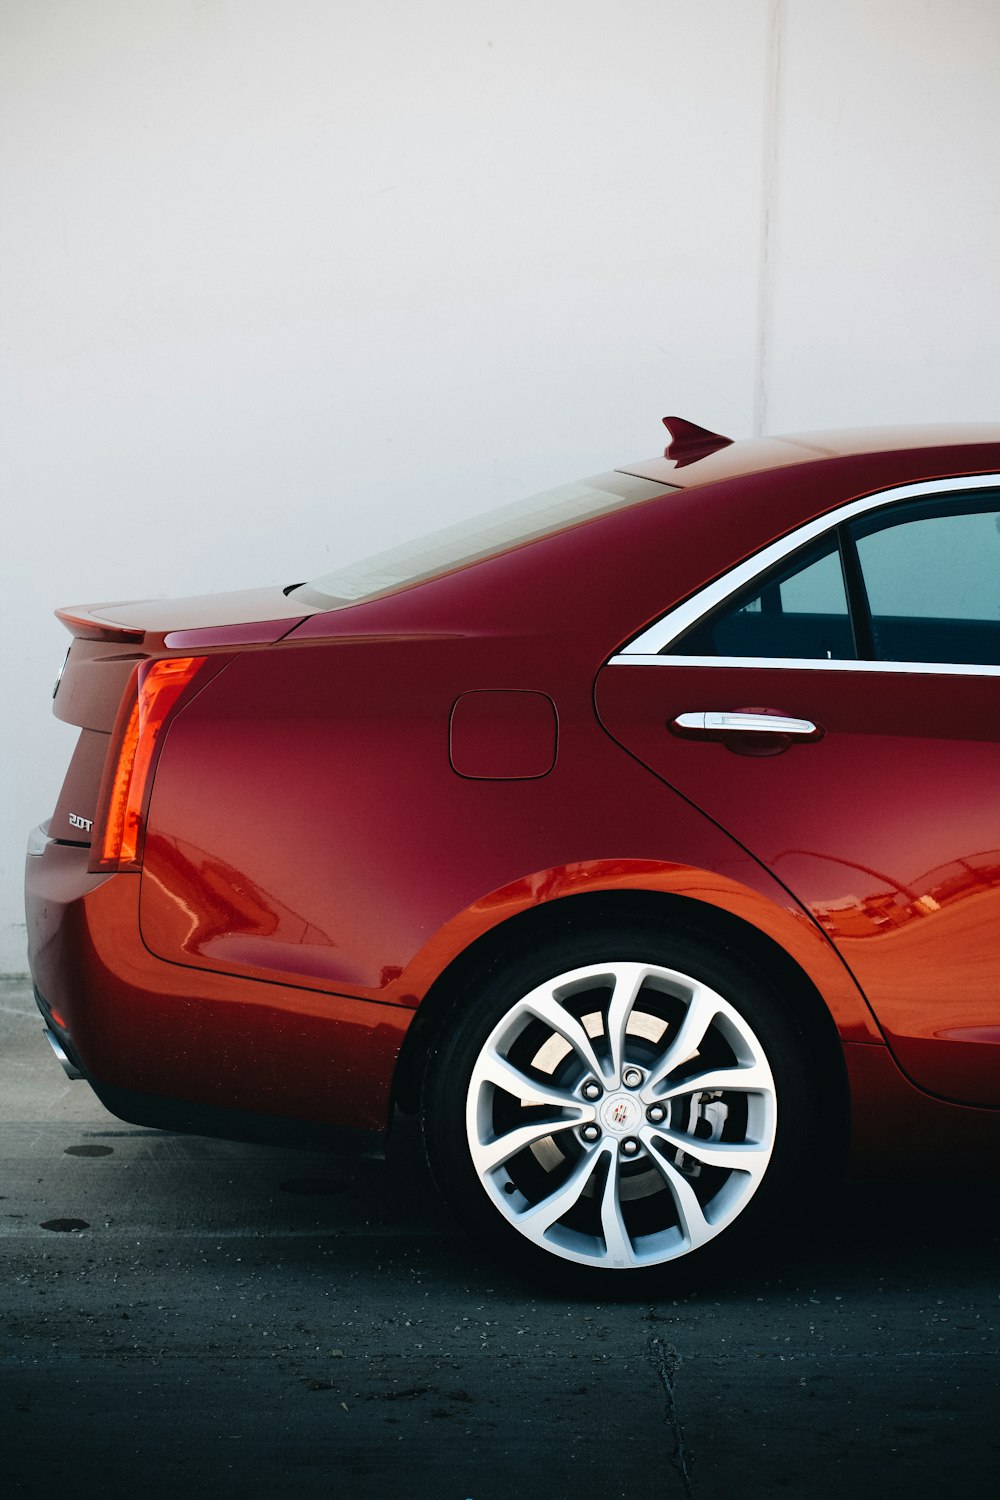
[
  {"x": 803, "y": 663},
  {"x": 650, "y": 645}
]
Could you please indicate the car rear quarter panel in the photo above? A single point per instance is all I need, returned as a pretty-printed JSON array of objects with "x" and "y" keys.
[
  {"x": 158, "y": 1029},
  {"x": 307, "y": 825}
]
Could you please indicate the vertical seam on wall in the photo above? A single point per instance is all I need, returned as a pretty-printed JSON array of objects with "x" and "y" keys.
[{"x": 768, "y": 206}]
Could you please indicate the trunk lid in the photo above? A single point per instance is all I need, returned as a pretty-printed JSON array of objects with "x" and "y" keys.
[{"x": 110, "y": 641}]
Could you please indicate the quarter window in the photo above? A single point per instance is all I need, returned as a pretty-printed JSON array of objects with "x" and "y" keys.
[{"x": 800, "y": 611}]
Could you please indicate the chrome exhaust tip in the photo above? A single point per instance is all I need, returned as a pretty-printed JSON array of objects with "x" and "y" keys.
[{"x": 69, "y": 1067}]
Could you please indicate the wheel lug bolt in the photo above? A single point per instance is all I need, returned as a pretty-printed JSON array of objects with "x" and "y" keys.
[
  {"x": 591, "y": 1132},
  {"x": 592, "y": 1090},
  {"x": 630, "y": 1146},
  {"x": 631, "y": 1078},
  {"x": 656, "y": 1113}
]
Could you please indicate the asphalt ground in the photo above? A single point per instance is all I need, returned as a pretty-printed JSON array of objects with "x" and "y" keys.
[{"x": 183, "y": 1316}]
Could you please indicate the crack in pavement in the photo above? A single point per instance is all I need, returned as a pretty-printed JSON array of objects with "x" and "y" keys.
[{"x": 666, "y": 1362}]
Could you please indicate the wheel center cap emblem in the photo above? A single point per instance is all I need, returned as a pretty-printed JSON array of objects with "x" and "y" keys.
[{"x": 621, "y": 1114}]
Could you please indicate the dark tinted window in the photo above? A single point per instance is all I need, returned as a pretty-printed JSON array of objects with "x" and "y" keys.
[{"x": 799, "y": 611}]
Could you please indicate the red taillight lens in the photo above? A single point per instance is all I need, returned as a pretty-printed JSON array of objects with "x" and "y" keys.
[{"x": 159, "y": 684}]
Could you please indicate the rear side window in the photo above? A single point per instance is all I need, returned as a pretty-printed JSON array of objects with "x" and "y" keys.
[
  {"x": 800, "y": 612},
  {"x": 912, "y": 583},
  {"x": 932, "y": 581}
]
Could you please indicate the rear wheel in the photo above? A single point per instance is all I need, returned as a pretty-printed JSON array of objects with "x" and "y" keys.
[{"x": 617, "y": 1104}]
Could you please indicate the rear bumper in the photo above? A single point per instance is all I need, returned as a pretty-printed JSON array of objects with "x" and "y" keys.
[
  {"x": 57, "y": 888},
  {"x": 60, "y": 1042},
  {"x": 193, "y": 1045}
]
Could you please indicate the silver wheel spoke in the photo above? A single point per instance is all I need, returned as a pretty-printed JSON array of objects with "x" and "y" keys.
[
  {"x": 547, "y": 1210},
  {"x": 492, "y": 1068},
  {"x": 753, "y": 1079},
  {"x": 628, "y": 982},
  {"x": 731, "y": 1156},
  {"x": 616, "y": 1239},
  {"x": 488, "y": 1155},
  {"x": 701, "y": 1012},
  {"x": 545, "y": 1007},
  {"x": 694, "y": 1226}
]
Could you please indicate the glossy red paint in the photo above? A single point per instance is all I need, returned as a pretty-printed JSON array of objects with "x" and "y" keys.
[
  {"x": 689, "y": 442},
  {"x": 339, "y": 919},
  {"x": 162, "y": 1030},
  {"x": 353, "y": 799},
  {"x": 510, "y": 735}
]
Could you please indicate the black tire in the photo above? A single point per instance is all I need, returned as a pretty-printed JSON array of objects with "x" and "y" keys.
[{"x": 648, "y": 1200}]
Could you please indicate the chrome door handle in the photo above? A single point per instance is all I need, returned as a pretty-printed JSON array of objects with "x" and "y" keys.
[{"x": 713, "y": 722}]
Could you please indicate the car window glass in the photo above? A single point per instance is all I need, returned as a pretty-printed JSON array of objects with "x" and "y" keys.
[
  {"x": 478, "y": 537},
  {"x": 933, "y": 586},
  {"x": 798, "y": 612}
]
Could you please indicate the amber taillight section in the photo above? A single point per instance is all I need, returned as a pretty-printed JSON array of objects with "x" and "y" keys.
[{"x": 159, "y": 684}]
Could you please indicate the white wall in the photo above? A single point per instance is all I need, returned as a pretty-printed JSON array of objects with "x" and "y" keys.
[
  {"x": 885, "y": 298},
  {"x": 285, "y": 280}
]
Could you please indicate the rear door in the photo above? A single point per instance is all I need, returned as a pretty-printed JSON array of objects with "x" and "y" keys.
[{"x": 834, "y": 704}]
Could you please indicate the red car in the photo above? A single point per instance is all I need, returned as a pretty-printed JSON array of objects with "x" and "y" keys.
[{"x": 645, "y": 837}]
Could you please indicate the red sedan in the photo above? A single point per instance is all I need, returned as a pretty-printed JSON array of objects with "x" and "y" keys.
[{"x": 644, "y": 837}]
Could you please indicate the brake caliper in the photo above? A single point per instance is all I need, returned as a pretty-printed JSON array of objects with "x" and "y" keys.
[{"x": 707, "y": 1118}]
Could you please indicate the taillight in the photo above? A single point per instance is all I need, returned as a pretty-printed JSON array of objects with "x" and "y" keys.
[{"x": 141, "y": 722}]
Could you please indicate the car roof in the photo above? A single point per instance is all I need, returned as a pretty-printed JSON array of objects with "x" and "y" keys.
[{"x": 755, "y": 455}]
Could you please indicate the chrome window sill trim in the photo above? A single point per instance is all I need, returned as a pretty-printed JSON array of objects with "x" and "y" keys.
[
  {"x": 666, "y": 630},
  {"x": 805, "y": 664}
]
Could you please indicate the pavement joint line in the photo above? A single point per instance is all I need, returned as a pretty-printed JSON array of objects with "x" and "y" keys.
[{"x": 666, "y": 1361}]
